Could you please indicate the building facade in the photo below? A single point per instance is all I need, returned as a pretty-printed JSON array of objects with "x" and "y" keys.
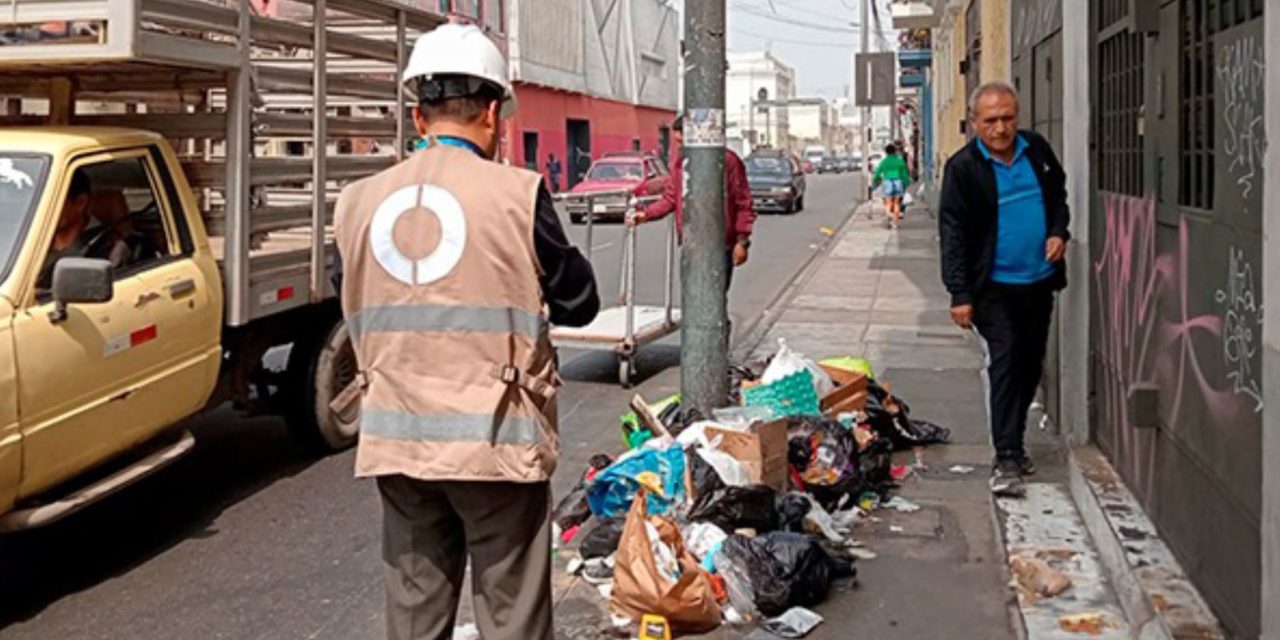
[
  {"x": 758, "y": 85},
  {"x": 1162, "y": 354},
  {"x": 812, "y": 123},
  {"x": 591, "y": 78}
]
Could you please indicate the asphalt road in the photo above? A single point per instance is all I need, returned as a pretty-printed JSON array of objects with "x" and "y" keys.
[{"x": 247, "y": 538}]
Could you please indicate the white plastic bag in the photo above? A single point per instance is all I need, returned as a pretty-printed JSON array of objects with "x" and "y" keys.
[
  {"x": 787, "y": 362},
  {"x": 907, "y": 199},
  {"x": 701, "y": 537},
  {"x": 731, "y": 472}
]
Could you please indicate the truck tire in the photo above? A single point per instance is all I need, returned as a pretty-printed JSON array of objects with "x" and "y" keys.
[{"x": 320, "y": 367}]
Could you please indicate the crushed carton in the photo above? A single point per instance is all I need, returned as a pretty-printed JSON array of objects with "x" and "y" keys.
[
  {"x": 762, "y": 451},
  {"x": 849, "y": 395}
]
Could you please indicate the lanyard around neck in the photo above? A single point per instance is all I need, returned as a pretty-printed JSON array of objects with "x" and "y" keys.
[{"x": 451, "y": 141}]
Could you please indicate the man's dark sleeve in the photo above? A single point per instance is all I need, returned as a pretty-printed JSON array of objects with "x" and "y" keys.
[
  {"x": 952, "y": 218},
  {"x": 568, "y": 282},
  {"x": 1059, "y": 212}
]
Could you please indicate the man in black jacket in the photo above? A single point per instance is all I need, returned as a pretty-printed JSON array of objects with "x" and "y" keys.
[{"x": 1003, "y": 224}]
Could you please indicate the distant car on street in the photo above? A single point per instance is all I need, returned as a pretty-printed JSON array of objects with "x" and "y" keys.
[
  {"x": 641, "y": 174},
  {"x": 829, "y": 164},
  {"x": 777, "y": 181}
]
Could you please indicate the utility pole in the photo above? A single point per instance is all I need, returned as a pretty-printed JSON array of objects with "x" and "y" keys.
[
  {"x": 704, "y": 340},
  {"x": 864, "y": 76}
]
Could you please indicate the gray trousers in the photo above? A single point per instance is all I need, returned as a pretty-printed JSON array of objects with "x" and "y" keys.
[{"x": 431, "y": 529}]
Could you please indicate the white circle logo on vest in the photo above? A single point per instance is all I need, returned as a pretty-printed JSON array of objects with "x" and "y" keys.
[{"x": 453, "y": 234}]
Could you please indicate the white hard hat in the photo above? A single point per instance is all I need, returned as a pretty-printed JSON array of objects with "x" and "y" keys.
[{"x": 460, "y": 50}]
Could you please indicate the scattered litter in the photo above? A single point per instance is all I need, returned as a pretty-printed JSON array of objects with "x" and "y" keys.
[
  {"x": 606, "y": 590},
  {"x": 896, "y": 528},
  {"x": 1092, "y": 623},
  {"x": 1035, "y": 579},
  {"x": 902, "y": 504},
  {"x": 962, "y": 469},
  {"x": 827, "y": 231},
  {"x": 899, "y": 473},
  {"x": 797, "y": 622},
  {"x": 862, "y": 554},
  {"x": 701, "y": 538},
  {"x": 598, "y": 571},
  {"x": 466, "y": 632},
  {"x": 574, "y": 566}
]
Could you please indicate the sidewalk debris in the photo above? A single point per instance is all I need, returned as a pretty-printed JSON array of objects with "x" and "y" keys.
[
  {"x": 466, "y": 632},
  {"x": 751, "y": 513},
  {"x": 1093, "y": 623},
  {"x": 962, "y": 469},
  {"x": 902, "y": 505},
  {"x": 797, "y": 622},
  {"x": 1035, "y": 579}
]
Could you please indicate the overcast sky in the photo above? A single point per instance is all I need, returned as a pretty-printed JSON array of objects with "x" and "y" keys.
[{"x": 813, "y": 36}]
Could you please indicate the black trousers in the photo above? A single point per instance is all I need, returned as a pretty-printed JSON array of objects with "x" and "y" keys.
[{"x": 1013, "y": 321}]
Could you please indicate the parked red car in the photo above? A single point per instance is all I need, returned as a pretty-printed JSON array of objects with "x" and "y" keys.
[{"x": 642, "y": 174}]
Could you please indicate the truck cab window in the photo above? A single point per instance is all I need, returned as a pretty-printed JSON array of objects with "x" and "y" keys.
[{"x": 110, "y": 211}]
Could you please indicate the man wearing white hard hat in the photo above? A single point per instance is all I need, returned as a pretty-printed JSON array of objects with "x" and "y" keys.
[{"x": 454, "y": 267}]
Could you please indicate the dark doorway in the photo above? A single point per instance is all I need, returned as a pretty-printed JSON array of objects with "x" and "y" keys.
[
  {"x": 635, "y": 144},
  {"x": 664, "y": 144},
  {"x": 531, "y": 150},
  {"x": 577, "y": 150}
]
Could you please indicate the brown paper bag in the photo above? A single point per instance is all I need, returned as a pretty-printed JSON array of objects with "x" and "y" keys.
[{"x": 689, "y": 604}]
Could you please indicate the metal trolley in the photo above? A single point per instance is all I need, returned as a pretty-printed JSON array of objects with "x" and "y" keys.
[{"x": 623, "y": 329}]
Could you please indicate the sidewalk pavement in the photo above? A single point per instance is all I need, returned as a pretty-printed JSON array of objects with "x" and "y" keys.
[{"x": 941, "y": 571}]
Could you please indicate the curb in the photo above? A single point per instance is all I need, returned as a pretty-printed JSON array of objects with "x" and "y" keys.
[{"x": 1158, "y": 598}]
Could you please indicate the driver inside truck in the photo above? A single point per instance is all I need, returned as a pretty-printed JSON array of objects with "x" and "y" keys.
[{"x": 74, "y": 239}]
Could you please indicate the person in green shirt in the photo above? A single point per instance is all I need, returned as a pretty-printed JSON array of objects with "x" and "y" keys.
[{"x": 893, "y": 173}]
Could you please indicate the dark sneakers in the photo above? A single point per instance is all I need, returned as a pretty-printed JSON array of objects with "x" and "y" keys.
[
  {"x": 1006, "y": 479},
  {"x": 1027, "y": 466}
]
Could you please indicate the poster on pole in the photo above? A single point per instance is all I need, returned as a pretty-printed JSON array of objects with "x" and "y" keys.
[
  {"x": 704, "y": 128},
  {"x": 875, "y": 79}
]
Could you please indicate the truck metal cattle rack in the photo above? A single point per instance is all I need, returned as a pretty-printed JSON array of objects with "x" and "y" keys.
[{"x": 242, "y": 98}]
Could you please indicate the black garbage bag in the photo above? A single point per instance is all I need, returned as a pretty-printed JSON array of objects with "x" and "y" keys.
[
  {"x": 676, "y": 418},
  {"x": 602, "y": 540},
  {"x": 739, "y": 374},
  {"x": 792, "y": 508},
  {"x": 824, "y": 455},
  {"x": 572, "y": 510},
  {"x": 704, "y": 476},
  {"x": 890, "y": 417},
  {"x": 875, "y": 466},
  {"x": 732, "y": 508},
  {"x": 785, "y": 569}
]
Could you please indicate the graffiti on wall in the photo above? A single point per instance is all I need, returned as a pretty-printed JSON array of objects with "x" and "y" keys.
[
  {"x": 1150, "y": 333},
  {"x": 1241, "y": 74},
  {"x": 1242, "y": 326}
]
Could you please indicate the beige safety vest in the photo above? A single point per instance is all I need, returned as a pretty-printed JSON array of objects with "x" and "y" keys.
[{"x": 441, "y": 294}]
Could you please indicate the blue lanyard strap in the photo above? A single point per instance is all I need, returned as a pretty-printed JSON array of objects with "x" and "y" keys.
[{"x": 451, "y": 141}]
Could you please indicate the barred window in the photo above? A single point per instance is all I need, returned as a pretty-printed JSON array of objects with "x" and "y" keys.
[
  {"x": 1200, "y": 20},
  {"x": 1121, "y": 59}
]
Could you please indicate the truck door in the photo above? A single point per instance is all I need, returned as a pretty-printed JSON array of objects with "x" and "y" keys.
[
  {"x": 10, "y": 436},
  {"x": 111, "y": 375}
]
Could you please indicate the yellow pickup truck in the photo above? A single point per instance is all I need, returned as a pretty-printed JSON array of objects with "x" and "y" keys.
[{"x": 168, "y": 170}]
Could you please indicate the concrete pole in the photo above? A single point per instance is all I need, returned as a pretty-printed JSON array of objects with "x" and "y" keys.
[
  {"x": 864, "y": 76},
  {"x": 1271, "y": 345},
  {"x": 704, "y": 344}
]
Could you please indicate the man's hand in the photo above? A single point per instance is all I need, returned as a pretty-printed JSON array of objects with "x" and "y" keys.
[
  {"x": 1055, "y": 249},
  {"x": 636, "y": 218},
  {"x": 962, "y": 315},
  {"x": 740, "y": 254}
]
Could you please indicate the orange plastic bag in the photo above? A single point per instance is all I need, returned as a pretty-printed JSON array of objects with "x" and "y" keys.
[{"x": 639, "y": 587}]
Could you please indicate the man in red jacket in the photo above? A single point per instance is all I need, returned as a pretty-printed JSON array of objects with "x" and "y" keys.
[{"x": 739, "y": 214}]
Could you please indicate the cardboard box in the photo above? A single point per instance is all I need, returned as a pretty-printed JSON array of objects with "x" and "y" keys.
[
  {"x": 850, "y": 393},
  {"x": 762, "y": 451}
]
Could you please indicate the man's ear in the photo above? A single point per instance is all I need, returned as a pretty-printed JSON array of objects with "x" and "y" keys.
[
  {"x": 419, "y": 121},
  {"x": 493, "y": 115}
]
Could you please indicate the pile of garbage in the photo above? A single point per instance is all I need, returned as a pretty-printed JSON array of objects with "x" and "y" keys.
[{"x": 745, "y": 516}]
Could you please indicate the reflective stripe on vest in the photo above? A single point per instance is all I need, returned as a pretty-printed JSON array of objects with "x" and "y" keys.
[
  {"x": 446, "y": 318},
  {"x": 397, "y": 425}
]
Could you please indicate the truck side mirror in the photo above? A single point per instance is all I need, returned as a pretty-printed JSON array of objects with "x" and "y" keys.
[{"x": 80, "y": 281}]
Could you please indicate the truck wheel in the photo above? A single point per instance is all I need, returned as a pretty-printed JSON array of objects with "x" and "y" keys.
[{"x": 320, "y": 367}]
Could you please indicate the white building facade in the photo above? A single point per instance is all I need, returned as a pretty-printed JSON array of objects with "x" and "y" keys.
[{"x": 758, "y": 87}]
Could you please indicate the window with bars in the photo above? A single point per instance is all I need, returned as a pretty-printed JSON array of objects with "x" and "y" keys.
[
  {"x": 1200, "y": 20},
  {"x": 1121, "y": 59}
]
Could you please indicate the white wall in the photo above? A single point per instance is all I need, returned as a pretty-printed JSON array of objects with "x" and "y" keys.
[
  {"x": 625, "y": 50},
  {"x": 1073, "y": 307}
]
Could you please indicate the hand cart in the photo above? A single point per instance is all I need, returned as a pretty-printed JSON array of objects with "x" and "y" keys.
[{"x": 625, "y": 328}]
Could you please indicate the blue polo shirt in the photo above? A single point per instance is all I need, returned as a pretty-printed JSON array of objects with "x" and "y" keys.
[{"x": 1022, "y": 232}]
